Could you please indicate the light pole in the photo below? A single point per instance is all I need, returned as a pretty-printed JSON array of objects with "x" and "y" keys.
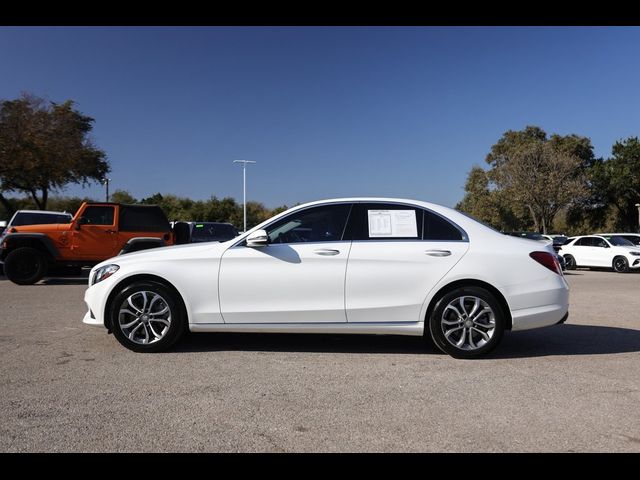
[
  {"x": 638, "y": 205},
  {"x": 244, "y": 188},
  {"x": 105, "y": 182}
]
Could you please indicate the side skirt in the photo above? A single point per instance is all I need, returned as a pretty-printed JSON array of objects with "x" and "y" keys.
[{"x": 404, "y": 328}]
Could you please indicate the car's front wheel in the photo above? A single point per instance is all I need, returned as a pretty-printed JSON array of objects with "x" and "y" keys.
[
  {"x": 147, "y": 317},
  {"x": 621, "y": 265},
  {"x": 467, "y": 322},
  {"x": 25, "y": 266}
]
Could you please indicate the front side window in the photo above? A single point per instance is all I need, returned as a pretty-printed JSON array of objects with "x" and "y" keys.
[
  {"x": 635, "y": 240},
  {"x": 98, "y": 215},
  {"x": 317, "y": 224},
  {"x": 619, "y": 241}
]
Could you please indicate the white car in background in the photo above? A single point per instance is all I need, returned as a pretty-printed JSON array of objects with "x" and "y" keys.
[
  {"x": 355, "y": 265},
  {"x": 609, "y": 251}
]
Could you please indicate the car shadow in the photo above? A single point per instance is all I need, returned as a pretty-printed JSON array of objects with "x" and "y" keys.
[
  {"x": 559, "y": 340},
  {"x": 62, "y": 281}
]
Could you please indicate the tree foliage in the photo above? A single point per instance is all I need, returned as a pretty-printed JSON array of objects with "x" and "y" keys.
[
  {"x": 45, "y": 146},
  {"x": 531, "y": 178},
  {"x": 176, "y": 208}
]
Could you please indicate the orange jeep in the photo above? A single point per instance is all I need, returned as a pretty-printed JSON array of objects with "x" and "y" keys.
[{"x": 98, "y": 231}]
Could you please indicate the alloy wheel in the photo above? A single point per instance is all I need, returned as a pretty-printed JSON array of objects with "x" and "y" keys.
[
  {"x": 144, "y": 317},
  {"x": 468, "y": 322}
]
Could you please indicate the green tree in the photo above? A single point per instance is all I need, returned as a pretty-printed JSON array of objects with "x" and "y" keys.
[
  {"x": 615, "y": 189},
  {"x": 532, "y": 177},
  {"x": 122, "y": 196},
  {"x": 45, "y": 146}
]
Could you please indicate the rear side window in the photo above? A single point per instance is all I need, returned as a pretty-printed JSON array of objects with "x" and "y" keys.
[
  {"x": 142, "y": 219},
  {"x": 384, "y": 221},
  {"x": 437, "y": 228},
  {"x": 99, "y": 215}
]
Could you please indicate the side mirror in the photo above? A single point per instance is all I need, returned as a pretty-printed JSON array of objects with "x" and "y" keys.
[
  {"x": 259, "y": 238},
  {"x": 81, "y": 221}
]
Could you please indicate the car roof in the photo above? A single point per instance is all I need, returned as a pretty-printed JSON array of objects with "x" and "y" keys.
[
  {"x": 634, "y": 234},
  {"x": 50, "y": 212},
  {"x": 466, "y": 222}
]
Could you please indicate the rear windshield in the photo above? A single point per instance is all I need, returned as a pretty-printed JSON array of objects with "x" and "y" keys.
[
  {"x": 31, "y": 218},
  {"x": 209, "y": 232}
]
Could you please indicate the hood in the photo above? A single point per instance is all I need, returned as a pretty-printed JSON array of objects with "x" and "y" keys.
[
  {"x": 173, "y": 252},
  {"x": 46, "y": 227}
]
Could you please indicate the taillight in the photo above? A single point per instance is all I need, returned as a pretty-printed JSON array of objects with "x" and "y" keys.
[{"x": 548, "y": 260}]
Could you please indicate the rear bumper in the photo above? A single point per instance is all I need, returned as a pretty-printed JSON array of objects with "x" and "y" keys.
[{"x": 537, "y": 317}]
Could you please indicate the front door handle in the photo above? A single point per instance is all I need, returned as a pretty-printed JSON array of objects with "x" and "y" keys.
[
  {"x": 438, "y": 253},
  {"x": 326, "y": 252},
  {"x": 109, "y": 231}
]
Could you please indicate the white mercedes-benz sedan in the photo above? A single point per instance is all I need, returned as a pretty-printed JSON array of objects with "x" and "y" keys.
[{"x": 353, "y": 265}]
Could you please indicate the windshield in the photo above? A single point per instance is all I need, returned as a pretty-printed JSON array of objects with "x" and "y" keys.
[
  {"x": 619, "y": 241},
  {"x": 31, "y": 218},
  {"x": 211, "y": 232}
]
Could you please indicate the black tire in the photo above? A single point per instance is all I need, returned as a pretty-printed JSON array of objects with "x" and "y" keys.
[
  {"x": 570, "y": 262},
  {"x": 25, "y": 266},
  {"x": 620, "y": 264},
  {"x": 168, "y": 298},
  {"x": 441, "y": 312}
]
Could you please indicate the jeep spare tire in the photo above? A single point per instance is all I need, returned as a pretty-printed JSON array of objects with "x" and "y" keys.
[{"x": 25, "y": 266}]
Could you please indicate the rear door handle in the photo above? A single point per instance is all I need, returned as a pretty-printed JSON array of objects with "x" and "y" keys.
[
  {"x": 326, "y": 252},
  {"x": 109, "y": 231},
  {"x": 438, "y": 253}
]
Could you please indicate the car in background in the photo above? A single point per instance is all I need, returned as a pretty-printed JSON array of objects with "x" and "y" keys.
[
  {"x": 599, "y": 251},
  {"x": 97, "y": 231},
  {"x": 31, "y": 217},
  {"x": 350, "y": 265},
  {"x": 35, "y": 217},
  {"x": 632, "y": 237},
  {"x": 211, "y": 232}
]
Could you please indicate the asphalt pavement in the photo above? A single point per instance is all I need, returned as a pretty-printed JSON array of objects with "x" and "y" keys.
[{"x": 67, "y": 387}]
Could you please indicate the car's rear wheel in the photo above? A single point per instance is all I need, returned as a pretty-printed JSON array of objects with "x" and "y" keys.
[
  {"x": 25, "y": 266},
  {"x": 147, "y": 317},
  {"x": 620, "y": 264},
  {"x": 570, "y": 262},
  {"x": 467, "y": 322}
]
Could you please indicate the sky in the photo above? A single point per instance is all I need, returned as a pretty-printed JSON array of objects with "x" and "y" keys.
[{"x": 324, "y": 111}]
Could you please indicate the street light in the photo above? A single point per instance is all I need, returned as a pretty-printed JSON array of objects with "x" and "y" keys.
[
  {"x": 105, "y": 182},
  {"x": 638, "y": 205},
  {"x": 244, "y": 188}
]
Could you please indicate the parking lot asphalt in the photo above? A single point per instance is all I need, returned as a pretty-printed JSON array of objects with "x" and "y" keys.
[{"x": 567, "y": 388}]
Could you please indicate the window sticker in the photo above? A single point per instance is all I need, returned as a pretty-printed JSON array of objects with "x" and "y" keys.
[{"x": 392, "y": 223}]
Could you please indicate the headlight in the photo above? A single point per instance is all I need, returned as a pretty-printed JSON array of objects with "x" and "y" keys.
[
  {"x": 635, "y": 254},
  {"x": 103, "y": 272}
]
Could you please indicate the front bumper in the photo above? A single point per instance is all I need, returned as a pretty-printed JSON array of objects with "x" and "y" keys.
[{"x": 96, "y": 299}]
